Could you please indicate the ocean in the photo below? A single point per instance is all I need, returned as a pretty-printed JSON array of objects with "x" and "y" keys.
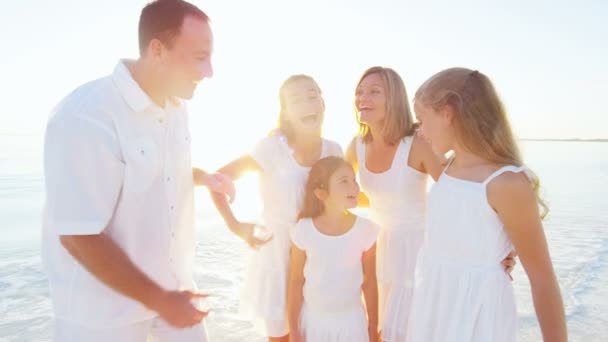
[{"x": 574, "y": 180}]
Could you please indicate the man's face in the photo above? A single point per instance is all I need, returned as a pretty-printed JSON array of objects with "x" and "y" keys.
[{"x": 188, "y": 61}]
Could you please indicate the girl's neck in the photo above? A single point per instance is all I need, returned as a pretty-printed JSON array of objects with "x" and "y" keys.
[
  {"x": 463, "y": 158},
  {"x": 335, "y": 215},
  {"x": 335, "y": 222}
]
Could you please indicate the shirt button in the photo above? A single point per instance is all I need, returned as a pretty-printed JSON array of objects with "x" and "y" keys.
[
  {"x": 160, "y": 120},
  {"x": 168, "y": 179},
  {"x": 171, "y": 207}
]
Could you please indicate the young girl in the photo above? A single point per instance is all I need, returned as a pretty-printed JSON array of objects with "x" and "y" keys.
[
  {"x": 283, "y": 161},
  {"x": 484, "y": 203},
  {"x": 333, "y": 258},
  {"x": 393, "y": 164}
]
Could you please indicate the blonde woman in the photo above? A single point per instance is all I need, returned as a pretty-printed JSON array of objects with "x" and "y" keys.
[{"x": 484, "y": 203}]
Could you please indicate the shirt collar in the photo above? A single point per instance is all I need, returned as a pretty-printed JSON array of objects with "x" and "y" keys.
[{"x": 135, "y": 97}]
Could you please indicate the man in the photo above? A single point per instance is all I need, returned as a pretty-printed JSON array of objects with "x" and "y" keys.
[{"x": 118, "y": 228}]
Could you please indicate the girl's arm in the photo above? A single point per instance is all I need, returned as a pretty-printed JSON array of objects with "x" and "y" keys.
[
  {"x": 513, "y": 198},
  {"x": 234, "y": 170},
  {"x": 351, "y": 157},
  {"x": 294, "y": 292},
  {"x": 370, "y": 291}
]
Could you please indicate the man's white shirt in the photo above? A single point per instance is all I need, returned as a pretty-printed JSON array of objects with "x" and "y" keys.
[{"x": 116, "y": 162}]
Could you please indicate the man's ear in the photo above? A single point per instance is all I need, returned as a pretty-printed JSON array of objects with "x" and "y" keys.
[{"x": 155, "y": 49}]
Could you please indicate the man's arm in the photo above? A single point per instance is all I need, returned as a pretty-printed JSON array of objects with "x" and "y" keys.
[{"x": 103, "y": 258}]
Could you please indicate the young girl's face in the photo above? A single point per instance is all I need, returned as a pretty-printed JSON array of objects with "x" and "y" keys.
[
  {"x": 304, "y": 106},
  {"x": 370, "y": 100},
  {"x": 436, "y": 126},
  {"x": 343, "y": 190}
]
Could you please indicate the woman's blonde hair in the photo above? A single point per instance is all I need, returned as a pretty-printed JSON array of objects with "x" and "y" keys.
[
  {"x": 398, "y": 120},
  {"x": 480, "y": 118},
  {"x": 283, "y": 123}
]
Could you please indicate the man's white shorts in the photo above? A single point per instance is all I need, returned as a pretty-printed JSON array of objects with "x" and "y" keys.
[{"x": 154, "y": 330}]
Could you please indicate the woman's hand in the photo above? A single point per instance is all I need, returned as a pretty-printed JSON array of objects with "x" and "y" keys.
[
  {"x": 246, "y": 231},
  {"x": 220, "y": 183},
  {"x": 374, "y": 335},
  {"x": 296, "y": 336},
  {"x": 509, "y": 263}
]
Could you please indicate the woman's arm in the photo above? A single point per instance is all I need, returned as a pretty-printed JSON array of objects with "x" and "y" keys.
[
  {"x": 234, "y": 170},
  {"x": 294, "y": 292},
  {"x": 424, "y": 159},
  {"x": 513, "y": 198},
  {"x": 370, "y": 291},
  {"x": 351, "y": 158}
]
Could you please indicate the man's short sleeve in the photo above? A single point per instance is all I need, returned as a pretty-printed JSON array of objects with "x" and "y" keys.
[{"x": 83, "y": 172}]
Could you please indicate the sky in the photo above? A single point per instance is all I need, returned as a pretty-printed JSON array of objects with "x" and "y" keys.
[{"x": 546, "y": 58}]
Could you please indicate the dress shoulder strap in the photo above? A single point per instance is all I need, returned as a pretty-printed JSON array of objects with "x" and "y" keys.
[
  {"x": 407, "y": 143},
  {"x": 507, "y": 168},
  {"x": 360, "y": 150},
  {"x": 447, "y": 164}
]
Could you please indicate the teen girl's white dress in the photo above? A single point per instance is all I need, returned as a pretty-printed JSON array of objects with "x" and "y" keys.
[{"x": 462, "y": 291}]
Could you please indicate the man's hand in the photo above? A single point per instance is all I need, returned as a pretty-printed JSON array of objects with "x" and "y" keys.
[{"x": 176, "y": 308}]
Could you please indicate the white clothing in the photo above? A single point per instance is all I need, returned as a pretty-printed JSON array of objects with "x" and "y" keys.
[
  {"x": 115, "y": 162},
  {"x": 152, "y": 330},
  {"x": 462, "y": 291},
  {"x": 282, "y": 181},
  {"x": 398, "y": 205},
  {"x": 333, "y": 310}
]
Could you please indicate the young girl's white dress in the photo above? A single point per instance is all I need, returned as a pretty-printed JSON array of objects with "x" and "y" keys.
[
  {"x": 462, "y": 291},
  {"x": 281, "y": 181},
  {"x": 398, "y": 205},
  {"x": 333, "y": 310}
]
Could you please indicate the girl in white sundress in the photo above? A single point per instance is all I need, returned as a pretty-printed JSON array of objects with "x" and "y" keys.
[
  {"x": 332, "y": 261},
  {"x": 282, "y": 161},
  {"x": 484, "y": 203},
  {"x": 393, "y": 165}
]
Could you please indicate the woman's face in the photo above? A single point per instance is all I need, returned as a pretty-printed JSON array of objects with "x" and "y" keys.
[{"x": 370, "y": 100}]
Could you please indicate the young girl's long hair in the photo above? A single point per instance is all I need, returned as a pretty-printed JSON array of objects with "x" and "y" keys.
[
  {"x": 398, "y": 121},
  {"x": 283, "y": 125},
  {"x": 480, "y": 117},
  {"x": 318, "y": 178}
]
